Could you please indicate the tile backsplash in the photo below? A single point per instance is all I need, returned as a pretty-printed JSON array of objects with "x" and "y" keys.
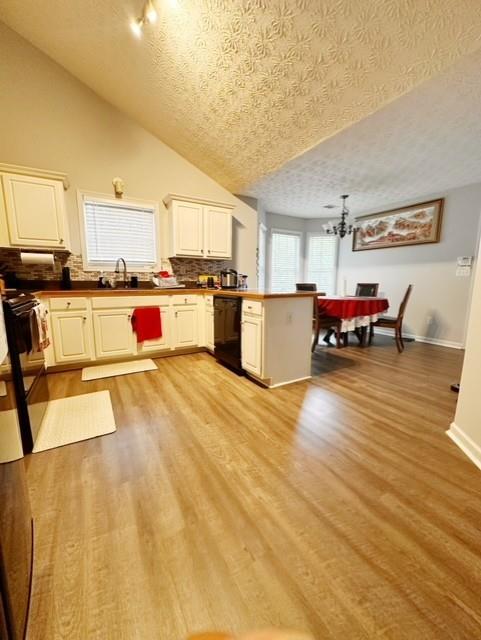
[{"x": 185, "y": 269}]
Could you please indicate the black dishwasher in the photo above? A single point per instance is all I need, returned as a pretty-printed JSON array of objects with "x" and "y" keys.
[{"x": 227, "y": 331}]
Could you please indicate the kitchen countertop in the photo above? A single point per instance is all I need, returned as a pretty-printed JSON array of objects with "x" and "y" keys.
[{"x": 253, "y": 294}]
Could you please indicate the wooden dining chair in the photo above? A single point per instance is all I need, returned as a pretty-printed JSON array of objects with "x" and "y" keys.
[
  {"x": 327, "y": 322},
  {"x": 396, "y": 323},
  {"x": 367, "y": 289},
  {"x": 320, "y": 320},
  {"x": 306, "y": 286}
]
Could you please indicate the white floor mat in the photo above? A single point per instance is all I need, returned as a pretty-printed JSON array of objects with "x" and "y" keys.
[
  {"x": 117, "y": 369},
  {"x": 3, "y": 388},
  {"x": 69, "y": 420}
]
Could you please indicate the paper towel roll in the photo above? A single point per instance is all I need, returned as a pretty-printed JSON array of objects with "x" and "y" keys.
[{"x": 37, "y": 258}]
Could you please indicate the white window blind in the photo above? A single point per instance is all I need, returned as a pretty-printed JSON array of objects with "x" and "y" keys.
[
  {"x": 114, "y": 230},
  {"x": 285, "y": 260},
  {"x": 322, "y": 262}
]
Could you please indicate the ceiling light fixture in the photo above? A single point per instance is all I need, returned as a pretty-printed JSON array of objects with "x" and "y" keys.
[
  {"x": 149, "y": 14},
  {"x": 136, "y": 26},
  {"x": 342, "y": 228}
]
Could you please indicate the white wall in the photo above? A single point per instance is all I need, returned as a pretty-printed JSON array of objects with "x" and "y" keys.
[
  {"x": 52, "y": 121},
  {"x": 439, "y": 304},
  {"x": 466, "y": 428}
]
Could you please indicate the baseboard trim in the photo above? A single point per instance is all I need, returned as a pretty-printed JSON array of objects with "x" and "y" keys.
[
  {"x": 282, "y": 384},
  {"x": 465, "y": 443},
  {"x": 154, "y": 355},
  {"x": 436, "y": 341}
]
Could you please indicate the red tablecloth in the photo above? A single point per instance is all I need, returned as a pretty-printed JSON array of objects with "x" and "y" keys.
[{"x": 346, "y": 307}]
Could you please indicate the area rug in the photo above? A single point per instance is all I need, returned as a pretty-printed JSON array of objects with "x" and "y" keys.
[
  {"x": 70, "y": 420},
  {"x": 117, "y": 369}
]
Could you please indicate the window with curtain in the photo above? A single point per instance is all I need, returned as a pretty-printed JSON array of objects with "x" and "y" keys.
[
  {"x": 285, "y": 260},
  {"x": 119, "y": 230},
  {"x": 322, "y": 262}
]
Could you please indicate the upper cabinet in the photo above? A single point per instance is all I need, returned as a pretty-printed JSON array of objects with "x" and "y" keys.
[
  {"x": 199, "y": 228},
  {"x": 33, "y": 208}
]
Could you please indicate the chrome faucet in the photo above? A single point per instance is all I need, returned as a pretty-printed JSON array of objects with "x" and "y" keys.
[{"x": 117, "y": 271}]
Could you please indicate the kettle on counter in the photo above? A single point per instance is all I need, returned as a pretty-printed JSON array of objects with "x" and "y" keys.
[{"x": 229, "y": 279}]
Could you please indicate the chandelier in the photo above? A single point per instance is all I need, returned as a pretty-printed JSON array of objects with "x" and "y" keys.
[{"x": 342, "y": 228}]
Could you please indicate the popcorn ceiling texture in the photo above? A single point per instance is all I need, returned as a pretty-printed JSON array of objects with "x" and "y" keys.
[
  {"x": 239, "y": 87},
  {"x": 184, "y": 269}
]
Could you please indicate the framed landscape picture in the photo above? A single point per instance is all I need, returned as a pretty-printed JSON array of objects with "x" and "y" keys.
[{"x": 416, "y": 224}]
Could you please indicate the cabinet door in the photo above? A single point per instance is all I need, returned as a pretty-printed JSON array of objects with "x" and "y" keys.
[
  {"x": 71, "y": 336},
  {"x": 209, "y": 328},
  {"x": 165, "y": 342},
  {"x": 218, "y": 232},
  {"x": 186, "y": 331},
  {"x": 35, "y": 211},
  {"x": 251, "y": 345},
  {"x": 113, "y": 333},
  {"x": 188, "y": 227}
]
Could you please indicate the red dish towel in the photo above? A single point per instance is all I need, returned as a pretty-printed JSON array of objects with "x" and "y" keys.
[{"x": 147, "y": 323}]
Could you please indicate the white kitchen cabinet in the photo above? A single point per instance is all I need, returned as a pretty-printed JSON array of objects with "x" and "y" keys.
[
  {"x": 163, "y": 343},
  {"x": 251, "y": 344},
  {"x": 71, "y": 336},
  {"x": 188, "y": 229},
  {"x": 186, "y": 326},
  {"x": 218, "y": 232},
  {"x": 209, "y": 328},
  {"x": 198, "y": 228},
  {"x": 35, "y": 211},
  {"x": 113, "y": 333}
]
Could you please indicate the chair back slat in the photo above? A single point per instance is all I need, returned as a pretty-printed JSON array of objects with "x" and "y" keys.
[
  {"x": 306, "y": 286},
  {"x": 367, "y": 289},
  {"x": 404, "y": 302}
]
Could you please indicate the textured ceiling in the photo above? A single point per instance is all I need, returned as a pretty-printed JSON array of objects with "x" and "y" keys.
[
  {"x": 239, "y": 87},
  {"x": 423, "y": 143}
]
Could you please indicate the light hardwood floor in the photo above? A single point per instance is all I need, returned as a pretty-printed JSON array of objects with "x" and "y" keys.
[{"x": 336, "y": 506}]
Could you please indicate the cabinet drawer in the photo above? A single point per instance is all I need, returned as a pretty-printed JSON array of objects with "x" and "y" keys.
[
  {"x": 184, "y": 299},
  {"x": 252, "y": 307},
  {"x": 67, "y": 304}
]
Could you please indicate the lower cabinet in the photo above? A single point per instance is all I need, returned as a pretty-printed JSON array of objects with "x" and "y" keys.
[
  {"x": 251, "y": 344},
  {"x": 209, "y": 328},
  {"x": 163, "y": 343},
  {"x": 185, "y": 326},
  {"x": 113, "y": 333},
  {"x": 71, "y": 336}
]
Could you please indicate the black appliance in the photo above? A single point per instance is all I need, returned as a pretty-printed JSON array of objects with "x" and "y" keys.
[
  {"x": 227, "y": 331},
  {"x": 16, "y": 524},
  {"x": 66, "y": 282},
  {"x": 229, "y": 279},
  {"x": 27, "y": 368}
]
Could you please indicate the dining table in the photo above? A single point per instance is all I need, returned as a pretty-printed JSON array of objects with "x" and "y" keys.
[{"x": 355, "y": 312}]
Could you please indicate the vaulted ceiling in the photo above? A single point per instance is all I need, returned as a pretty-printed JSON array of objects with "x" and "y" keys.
[
  {"x": 426, "y": 142},
  {"x": 240, "y": 87}
]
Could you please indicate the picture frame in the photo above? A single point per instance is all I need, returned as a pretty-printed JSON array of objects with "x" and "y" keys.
[{"x": 405, "y": 226}]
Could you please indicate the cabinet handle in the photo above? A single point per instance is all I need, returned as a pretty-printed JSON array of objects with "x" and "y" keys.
[
  {"x": 60, "y": 241},
  {"x": 176, "y": 314},
  {"x": 129, "y": 317},
  {"x": 185, "y": 300},
  {"x": 68, "y": 304},
  {"x": 84, "y": 318},
  {"x": 208, "y": 250}
]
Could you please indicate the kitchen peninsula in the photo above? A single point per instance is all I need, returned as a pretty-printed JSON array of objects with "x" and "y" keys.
[{"x": 94, "y": 325}]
